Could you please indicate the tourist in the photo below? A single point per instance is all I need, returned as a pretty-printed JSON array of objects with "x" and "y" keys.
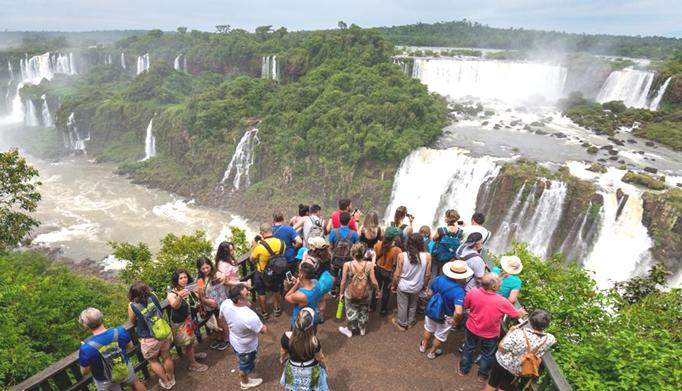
[
  {"x": 411, "y": 275},
  {"x": 507, "y": 364},
  {"x": 304, "y": 292},
  {"x": 320, "y": 257},
  {"x": 446, "y": 306},
  {"x": 290, "y": 238},
  {"x": 425, "y": 232},
  {"x": 305, "y": 367},
  {"x": 447, "y": 240},
  {"x": 386, "y": 254},
  {"x": 245, "y": 326},
  {"x": 370, "y": 233},
  {"x": 212, "y": 292},
  {"x": 182, "y": 300},
  {"x": 511, "y": 283},
  {"x": 345, "y": 205},
  {"x": 313, "y": 225},
  {"x": 143, "y": 310},
  {"x": 226, "y": 263},
  {"x": 261, "y": 256},
  {"x": 106, "y": 347},
  {"x": 399, "y": 222},
  {"x": 357, "y": 277},
  {"x": 341, "y": 240},
  {"x": 469, "y": 251},
  {"x": 477, "y": 220},
  {"x": 486, "y": 310},
  {"x": 297, "y": 221}
]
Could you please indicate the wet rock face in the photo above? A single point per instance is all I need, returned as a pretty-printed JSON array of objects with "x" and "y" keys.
[
  {"x": 663, "y": 218},
  {"x": 674, "y": 91}
]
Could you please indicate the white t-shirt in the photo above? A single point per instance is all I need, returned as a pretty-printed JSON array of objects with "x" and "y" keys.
[
  {"x": 244, "y": 326},
  {"x": 308, "y": 225},
  {"x": 469, "y": 229}
]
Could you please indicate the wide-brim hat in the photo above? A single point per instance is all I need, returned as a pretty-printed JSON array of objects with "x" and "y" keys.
[
  {"x": 511, "y": 264},
  {"x": 457, "y": 270},
  {"x": 317, "y": 242}
]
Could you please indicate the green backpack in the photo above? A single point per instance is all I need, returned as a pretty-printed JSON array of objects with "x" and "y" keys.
[
  {"x": 115, "y": 366},
  {"x": 154, "y": 320}
]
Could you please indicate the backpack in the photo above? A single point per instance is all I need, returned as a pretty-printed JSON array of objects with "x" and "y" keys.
[
  {"x": 358, "y": 289},
  {"x": 277, "y": 266},
  {"x": 341, "y": 251},
  {"x": 530, "y": 362},
  {"x": 435, "y": 308},
  {"x": 447, "y": 245},
  {"x": 315, "y": 231},
  {"x": 113, "y": 362},
  {"x": 153, "y": 318}
]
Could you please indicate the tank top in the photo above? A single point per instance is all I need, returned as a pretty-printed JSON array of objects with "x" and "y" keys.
[
  {"x": 412, "y": 276},
  {"x": 370, "y": 242},
  {"x": 349, "y": 277}
]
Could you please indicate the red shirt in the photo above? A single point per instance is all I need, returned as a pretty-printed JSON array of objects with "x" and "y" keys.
[
  {"x": 336, "y": 221},
  {"x": 486, "y": 310}
]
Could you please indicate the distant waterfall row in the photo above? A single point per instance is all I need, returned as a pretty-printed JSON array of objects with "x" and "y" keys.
[
  {"x": 633, "y": 88},
  {"x": 269, "y": 69}
]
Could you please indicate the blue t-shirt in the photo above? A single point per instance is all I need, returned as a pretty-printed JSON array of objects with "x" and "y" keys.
[
  {"x": 343, "y": 232},
  {"x": 510, "y": 283},
  {"x": 90, "y": 357},
  {"x": 312, "y": 296},
  {"x": 451, "y": 292},
  {"x": 288, "y": 235}
]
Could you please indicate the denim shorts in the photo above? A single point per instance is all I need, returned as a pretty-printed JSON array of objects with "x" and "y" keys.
[{"x": 247, "y": 361}]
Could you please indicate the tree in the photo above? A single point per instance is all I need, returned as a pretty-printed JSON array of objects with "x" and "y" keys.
[
  {"x": 342, "y": 25},
  {"x": 263, "y": 31},
  {"x": 156, "y": 33},
  {"x": 18, "y": 196},
  {"x": 223, "y": 28},
  {"x": 182, "y": 30}
]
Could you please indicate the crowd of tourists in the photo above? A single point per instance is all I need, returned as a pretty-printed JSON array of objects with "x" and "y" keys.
[{"x": 348, "y": 261}]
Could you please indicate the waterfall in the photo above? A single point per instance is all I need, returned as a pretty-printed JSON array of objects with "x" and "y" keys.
[
  {"x": 149, "y": 142},
  {"x": 430, "y": 181},
  {"x": 31, "y": 117},
  {"x": 490, "y": 79},
  {"x": 180, "y": 63},
  {"x": 73, "y": 139},
  {"x": 630, "y": 86},
  {"x": 176, "y": 62},
  {"x": 659, "y": 95},
  {"x": 123, "y": 60},
  {"x": 241, "y": 161},
  {"x": 47, "y": 118},
  {"x": 142, "y": 63},
  {"x": 269, "y": 68}
]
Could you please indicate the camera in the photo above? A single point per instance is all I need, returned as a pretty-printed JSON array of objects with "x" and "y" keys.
[{"x": 258, "y": 238}]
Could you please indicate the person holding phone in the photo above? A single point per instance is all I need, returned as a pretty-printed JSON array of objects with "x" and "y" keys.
[
  {"x": 182, "y": 301},
  {"x": 304, "y": 292}
]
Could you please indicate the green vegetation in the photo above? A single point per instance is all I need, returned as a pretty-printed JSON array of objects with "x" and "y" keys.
[
  {"x": 18, "y": 197},
  {"x": 622, "y": 339},
  {"x": 644, "y": 180}
]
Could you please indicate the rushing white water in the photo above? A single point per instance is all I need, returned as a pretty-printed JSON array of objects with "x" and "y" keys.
[
  {"x": 430, "y": 181},
  {"x": 630, "y": 86},
  {"x": 123, "y": 60},
  {"x": 45, "y": 112},
  {"x": 659, "y": 95},
  {"x": 143, "y": 63},
  {"x": 74, "y": 140},
  {"x": 269, "y": 68},
  {"x": 238, "y": 169},
  {"x": 149, "y": 142},
  {"x": 622, "y": 247},
  {"x": 180, "y": 63},
  {"x": 511, "y": 82},
  {"x": 31, "y": 118}
]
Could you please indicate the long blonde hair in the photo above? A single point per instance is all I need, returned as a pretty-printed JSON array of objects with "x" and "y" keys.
[{"x": 303, "y": 342}]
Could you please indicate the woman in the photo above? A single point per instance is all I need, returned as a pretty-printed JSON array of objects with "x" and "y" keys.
[
  {"x": 212, "y": 292},
  {"x": 411, "y": 275},
  {"x": 446, "y": 241},
  {"x": 370, "y": 233},
  {"x": 387, "y": 253},
  {"x": 305, "y": 367},
  {"x": 399, "y": 222},
  {"x": 143, "y": 300},
  {"x": 226, "y": 262},
  {"x": 511, "y": 283},
  {"x": 297, "y": 221},
  {"x": 182, "y": 300},
  {"x": 357, "y": 311},
  {"x": 507, "y": 363},
  {"x": 320, "y": 256}
]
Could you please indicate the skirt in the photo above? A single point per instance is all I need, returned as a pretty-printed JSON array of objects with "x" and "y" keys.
[{"x": 304, "y": 378}]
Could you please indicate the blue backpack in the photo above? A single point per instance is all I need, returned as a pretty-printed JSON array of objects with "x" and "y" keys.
[
  {"x": 435, "y": 308},
  {"x": 447, "y": 245}
]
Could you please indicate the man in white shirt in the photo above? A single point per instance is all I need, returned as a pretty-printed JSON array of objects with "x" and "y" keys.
[
  {"x": 477, "y": 220},
  {"x": 244, "y": 327}
]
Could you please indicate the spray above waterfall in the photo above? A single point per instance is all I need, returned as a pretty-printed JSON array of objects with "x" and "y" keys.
[{"x": 237, "y": 172}]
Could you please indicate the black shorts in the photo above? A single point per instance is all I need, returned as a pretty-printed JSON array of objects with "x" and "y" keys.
[
  {"x": 502, "y": 378},
  {"x": 261, "y": 287}
]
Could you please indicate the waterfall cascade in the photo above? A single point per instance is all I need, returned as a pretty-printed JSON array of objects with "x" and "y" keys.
[
  {"x": 149, "y": 142},
  {"x": 107, "y": 60},
  {"x": 241, "y": 162},
  {"x": 46, "y": 116},
  {"x": 632, "y": 87},
  {"x": 31, "y": 117},
  {"x": 659, "y": 95},
  {"x": 490, "y": 79},
  {"x": 430, "y": 181},
  {"x": 269, "y": 68},
  {"x": 142, "y": 63},
  {"x": 73, "y": 139},
  {"x": 180, "y": 63},
  {"x": 123, "y": 60},
  {"x": 404, "y": 66}
]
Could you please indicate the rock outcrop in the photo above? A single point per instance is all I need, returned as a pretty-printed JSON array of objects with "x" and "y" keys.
[{"x": 663, "y": 218}]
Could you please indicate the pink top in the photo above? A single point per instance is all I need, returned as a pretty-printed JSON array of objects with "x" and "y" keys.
[
  {"x": 230, "y": 271},
  {"x": 486, "y": 310}
]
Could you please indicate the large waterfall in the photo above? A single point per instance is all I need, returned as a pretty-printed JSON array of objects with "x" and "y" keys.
[
  {"x": 149, "y": 142},
  {"x": 31, "y": 117},
  {"x": 269, "y": 68},
  {"x": 496, "y": 80},
  {"x": 633, "y": 88},
  {"x": 45, "y": 112},
  {"x": 142, "y": 63},
  {"x": 238, "y": 169},
  {"x": 430, "y": 181}
]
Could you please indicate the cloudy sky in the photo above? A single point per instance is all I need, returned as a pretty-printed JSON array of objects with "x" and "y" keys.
[{"x": 643, "y": 17}]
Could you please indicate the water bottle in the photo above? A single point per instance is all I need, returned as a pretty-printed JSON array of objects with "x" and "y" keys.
[{"x": 339, "y": 309}]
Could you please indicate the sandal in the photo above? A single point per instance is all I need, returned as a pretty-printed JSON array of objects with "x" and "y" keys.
[
  {"x": 200, "y": 355},
  {"x": 198, "y": 368},
  {"x": 278, "y": 312}
]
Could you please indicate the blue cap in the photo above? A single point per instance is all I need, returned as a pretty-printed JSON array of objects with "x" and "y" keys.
[{"x": 300, "y": 253}]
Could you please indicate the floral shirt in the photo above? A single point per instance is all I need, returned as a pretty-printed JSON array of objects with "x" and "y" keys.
[{"x": 514, "y": 345}]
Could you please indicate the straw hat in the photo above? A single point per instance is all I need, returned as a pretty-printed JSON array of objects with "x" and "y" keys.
[
  {"x": 457, "y": 270},
  {"x": 317, "y": 242},
  {"x": 511, "y": 264}
]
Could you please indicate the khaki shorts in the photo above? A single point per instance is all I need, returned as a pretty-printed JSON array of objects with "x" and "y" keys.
[{"x": 152, "y": 347}]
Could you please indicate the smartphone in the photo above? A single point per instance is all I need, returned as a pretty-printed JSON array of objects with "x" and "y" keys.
[
  {"x": 289, "y": 276},
  {"x": 460, "y": 222},
  {"x": 193, "y": 287}
]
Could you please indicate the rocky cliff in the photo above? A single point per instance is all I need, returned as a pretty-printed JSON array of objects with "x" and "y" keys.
[{"x": 663, "y": 218}]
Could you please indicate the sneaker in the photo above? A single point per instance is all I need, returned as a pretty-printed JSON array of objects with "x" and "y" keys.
[
  {"x": 166, "y": 386},
  {"x": 253, "y": 382},
  {"x": 398, "y": 325},
  {"x": 198, "y": 368},
  {"x": 222, "y": 345},
  {"x": 346, "y": 331},
  {"x": 422, "y": 348},
  {"x": 363, "y": 331},
  {"x": 200, "y": 355},
  {"x": 265, "y": 315},
  {"x": 215, "y": 345},
  {"x": 278, "y": 312}
]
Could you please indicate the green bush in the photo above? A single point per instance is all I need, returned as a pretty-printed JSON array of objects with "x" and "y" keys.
[{"x": 644, "y": 180}]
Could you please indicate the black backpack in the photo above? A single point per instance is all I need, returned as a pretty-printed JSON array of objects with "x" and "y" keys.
[
  {"x": 341, "y": 251},
  {"x": 277, "y": 266}
]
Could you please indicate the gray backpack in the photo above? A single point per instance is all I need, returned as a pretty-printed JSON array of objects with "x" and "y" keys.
[{"x": 317, "y": 230}]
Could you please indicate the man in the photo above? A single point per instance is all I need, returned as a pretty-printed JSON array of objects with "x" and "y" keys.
[
  {"x": 344, "y": 230},
  {"x": 313, "y": 226},
  {"x": 304, "y": 292},
  {"x": 345, "y": 205},
  {"x": 261, "y": 256},
  {"x": 341, "y": 240},
  {"x": 290, "y": 237},
  {"x": 450, "y": 287},
  {"x": 469, "y": 251},
  {"x": 106, "y": 348},
  {"x": 477, "y": 220},
  {"x": 244, "y": 326},
  {"x": 486, "y": 310}
]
